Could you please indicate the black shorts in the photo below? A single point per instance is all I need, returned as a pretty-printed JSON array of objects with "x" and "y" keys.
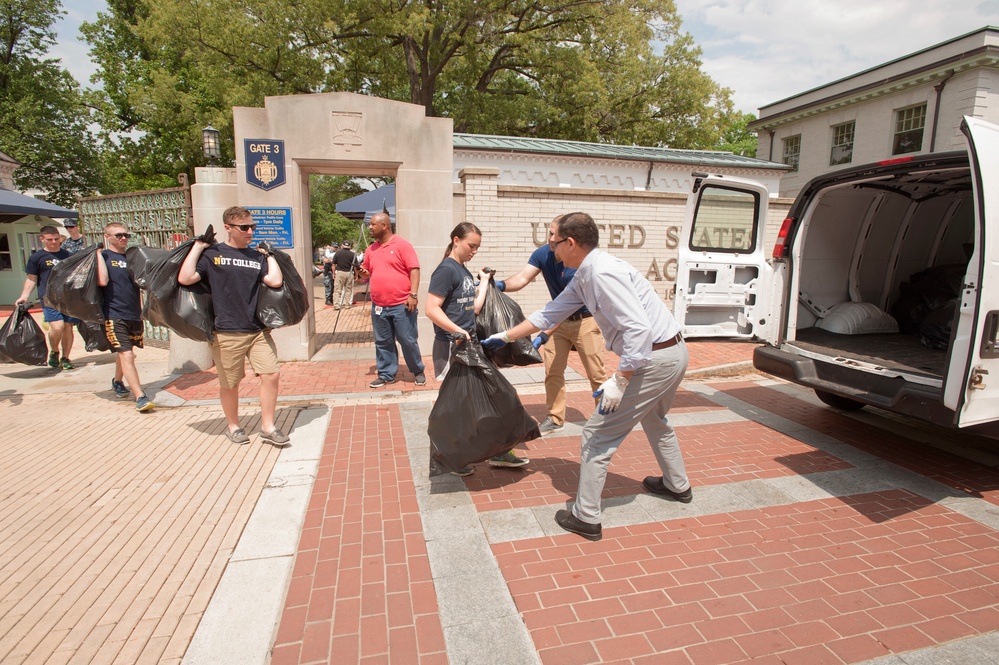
[{"x": 123, "y": 335}]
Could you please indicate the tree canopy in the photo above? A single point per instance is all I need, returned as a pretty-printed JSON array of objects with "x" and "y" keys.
[
  {"x": 618, "y": 71},
  {"x": 43, "y": 117}
]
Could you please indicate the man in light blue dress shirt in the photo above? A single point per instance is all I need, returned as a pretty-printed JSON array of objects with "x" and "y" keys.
[{"x": 653, "y": 359}]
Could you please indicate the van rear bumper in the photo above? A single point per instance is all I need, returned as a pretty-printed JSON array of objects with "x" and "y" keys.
[{"x": 890, "y": 393}]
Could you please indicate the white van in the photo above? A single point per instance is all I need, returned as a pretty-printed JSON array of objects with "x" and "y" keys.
[{"x": 882, "y": 289}]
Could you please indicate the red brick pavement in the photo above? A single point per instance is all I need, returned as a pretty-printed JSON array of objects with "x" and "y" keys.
[
  {"x": 833, "y": 581},
  {"x": 361, "y": 590}
]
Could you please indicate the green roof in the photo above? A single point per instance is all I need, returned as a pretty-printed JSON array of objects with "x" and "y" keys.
[{"x": 713, "y": 158}]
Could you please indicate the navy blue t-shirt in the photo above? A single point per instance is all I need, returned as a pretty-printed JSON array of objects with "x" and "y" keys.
[
  {"x": 234, "y": 277},
  {"x": 41, "y": 263},
  {"x": 121, "y": 295},
  {"x": 556, "y": 275},
  {"x": 452, "y": 282}
]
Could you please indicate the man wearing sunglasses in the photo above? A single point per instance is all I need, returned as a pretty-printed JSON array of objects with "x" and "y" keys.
[
  {"x": 234, "y": 273},
  {"x": 122, "y": 314},
  {"x": 653, "y": 359}
]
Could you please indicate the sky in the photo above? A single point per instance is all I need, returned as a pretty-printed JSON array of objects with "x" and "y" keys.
[{"x": 762, "y": 50}]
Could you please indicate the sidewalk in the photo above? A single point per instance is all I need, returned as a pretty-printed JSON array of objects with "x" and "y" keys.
[{"x": 814, "y": 536}]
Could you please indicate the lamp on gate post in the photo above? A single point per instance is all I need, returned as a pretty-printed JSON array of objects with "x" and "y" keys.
[{"x": 210, "y": 143}]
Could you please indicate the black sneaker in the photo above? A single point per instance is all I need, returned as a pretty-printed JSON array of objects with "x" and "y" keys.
[
  {"x": 379, "y": 382},
  {"x": 119, "y": 389},
  {"x": 549, "y": 426},
  {"x": 463, "y": 471},
  {"x": 572, "y": 524},
  {"x": 54, "y": 359},
  {"x": 655, "y": 485},
  {"x": 421, "y": 379},
  {"x": 508, "y": 459}
]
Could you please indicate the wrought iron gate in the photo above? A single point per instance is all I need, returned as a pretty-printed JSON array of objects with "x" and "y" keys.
[{"x": 156, "y": 218}]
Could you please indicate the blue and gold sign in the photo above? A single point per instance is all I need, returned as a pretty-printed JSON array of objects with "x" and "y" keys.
[{"x": 264, "y": 163}]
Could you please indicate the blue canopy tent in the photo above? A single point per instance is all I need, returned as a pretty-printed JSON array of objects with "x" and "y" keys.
[
  {"x": 14, "y": 206},
  {"x": 363, "y": 206}
]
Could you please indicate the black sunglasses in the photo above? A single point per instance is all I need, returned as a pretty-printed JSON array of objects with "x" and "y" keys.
[
  {"x": 244, "y": 227},
  {"x": 120, "y": 236}
]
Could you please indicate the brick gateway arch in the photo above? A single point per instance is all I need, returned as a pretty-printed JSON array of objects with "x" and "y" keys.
[{"x": 334, "y": 134}]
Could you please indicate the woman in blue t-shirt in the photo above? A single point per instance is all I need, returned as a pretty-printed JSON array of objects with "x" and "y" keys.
[{"x": 453, "y": 300}]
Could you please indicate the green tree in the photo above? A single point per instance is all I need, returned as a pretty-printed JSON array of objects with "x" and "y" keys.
[
  {"x": 735, "y": 138},
  {"x": 329, "y": 226},
  {"x": 43, "y": 118},
  {"x": 591, "y": 70}
]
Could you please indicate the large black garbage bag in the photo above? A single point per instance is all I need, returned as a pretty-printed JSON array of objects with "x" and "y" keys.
[
  {"x": 21, "y": 339},
  {"x": 140, "y": 260},
  {"x": 287, "y": 305},
  {"x": 73, "y": 289},
  {"x": 477, "y": 414},
  {"x": 934, "y": 331},
  {"x": 500, "y": 312},
  {"x": 186, "y": 310},
  {"x": 94, "y": 337},
  {"x": 926, "y": 291}
]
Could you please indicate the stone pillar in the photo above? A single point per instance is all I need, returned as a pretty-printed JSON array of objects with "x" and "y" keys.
[{"x": 214, "y": 190}]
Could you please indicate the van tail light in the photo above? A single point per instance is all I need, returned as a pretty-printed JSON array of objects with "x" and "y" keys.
[
  {"x": 895, "y": 160},
  {"x": 781, "y": 248}
]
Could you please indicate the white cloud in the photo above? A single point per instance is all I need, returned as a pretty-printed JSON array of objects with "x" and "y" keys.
[{"x": 767, "y": 50}]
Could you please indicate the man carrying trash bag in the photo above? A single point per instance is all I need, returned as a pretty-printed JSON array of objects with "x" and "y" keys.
[
  {"x": 234, "y": 273},
  {"x": 39, "y": 267},
  {"x": 653, "y": 359}
]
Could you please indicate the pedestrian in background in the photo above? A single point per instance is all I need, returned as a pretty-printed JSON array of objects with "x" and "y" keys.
[
  {"x": 394, "y": 271},
  {"x": 344, "y": 262},
  {"x": 122, "y": 314},
  {"x": 579, "y": 331},
  {"x": 76, "y": 241},
  {"x": 653, "y": 359},
  {"x": 453, "y": 300},
  {"x": 328, "y": 274}
]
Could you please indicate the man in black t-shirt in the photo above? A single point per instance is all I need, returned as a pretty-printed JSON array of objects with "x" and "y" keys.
[
  {"x": 39, "y": 266},
  {"x": 345, "y": 261},
  {"x": 122, "y": 313},
  {"x": 234, "y": 273}
]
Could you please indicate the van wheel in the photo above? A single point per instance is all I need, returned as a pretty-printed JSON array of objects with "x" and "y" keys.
[{"x": 838, "y": 402}]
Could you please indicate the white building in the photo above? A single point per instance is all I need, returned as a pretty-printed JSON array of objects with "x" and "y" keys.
[{"x": 907, "y": 106}]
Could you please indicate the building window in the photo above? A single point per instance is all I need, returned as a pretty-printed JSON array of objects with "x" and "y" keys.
[
  {"x": 909, "y": 125},
  {"x": 792, "y": 151},
  {"x": 842, "y": 144},
  {"x": 5, "y": 263}
]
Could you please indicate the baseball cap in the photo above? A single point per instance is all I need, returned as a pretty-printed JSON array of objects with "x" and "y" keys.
[{"x": 70, "y": 222}]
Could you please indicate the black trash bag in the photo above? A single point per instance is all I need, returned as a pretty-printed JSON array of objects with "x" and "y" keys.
[
  {"x": 935, "y": 329},
  {"x": 186, "y": 310},
  {"x": 73, "y": 289},
  {"x": 926, "y": 291},
  {"x": 477, "y": 415},
  {"x": 140, "y": 260},
  {"x": 500, "y": 312},
  {"x": 287, "y": 305},
  {"x": 94, "y": 337},
  {"x": 22, "y": 339}
]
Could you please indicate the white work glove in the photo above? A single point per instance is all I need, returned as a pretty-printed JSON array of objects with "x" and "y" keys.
[
  {"x": 497, "y": 341},
  {"x": 610, "y": 393}
]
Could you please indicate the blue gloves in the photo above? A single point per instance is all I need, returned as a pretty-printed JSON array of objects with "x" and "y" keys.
[
  {"x": 500, "y": 284},
  {"x": 540, "y": 340},
  {"x": 497, "y": 341}
]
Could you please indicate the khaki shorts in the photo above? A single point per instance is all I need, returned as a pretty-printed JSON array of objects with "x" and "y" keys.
[{"x": 230, "y": 348}]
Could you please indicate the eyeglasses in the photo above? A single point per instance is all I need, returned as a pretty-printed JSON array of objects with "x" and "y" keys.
[
  {"x": 556, "y": 243},
  {"x": 122, "y": 236},
  {"x": 244, "y": 227}
]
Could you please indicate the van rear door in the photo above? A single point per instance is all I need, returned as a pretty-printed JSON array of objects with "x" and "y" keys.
[
  {"x": 972, "y": 384},
  {"x": 723, "y": 278}
]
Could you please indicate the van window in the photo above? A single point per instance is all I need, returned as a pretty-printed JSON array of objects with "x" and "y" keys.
[{"x": 725, "y": 221}]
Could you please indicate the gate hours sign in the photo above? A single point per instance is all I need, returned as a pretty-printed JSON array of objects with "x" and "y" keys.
[
  {"x": 264, "y": 162},
  {"x": 273, "y": 226}
]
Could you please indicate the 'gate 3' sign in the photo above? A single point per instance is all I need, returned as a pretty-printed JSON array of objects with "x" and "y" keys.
[{"x": 264, "y": 163}]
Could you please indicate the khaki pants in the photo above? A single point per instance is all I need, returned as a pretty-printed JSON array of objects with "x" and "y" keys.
[
  {"x": 585, "y": 336},
  {"x": 341, "y": 281}
]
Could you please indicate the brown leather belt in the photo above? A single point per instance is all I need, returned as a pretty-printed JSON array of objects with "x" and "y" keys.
[{"x": 673, "y": 341}]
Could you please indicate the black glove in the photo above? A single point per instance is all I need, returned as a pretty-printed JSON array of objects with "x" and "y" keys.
[{"x": 264, "y": 248}]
